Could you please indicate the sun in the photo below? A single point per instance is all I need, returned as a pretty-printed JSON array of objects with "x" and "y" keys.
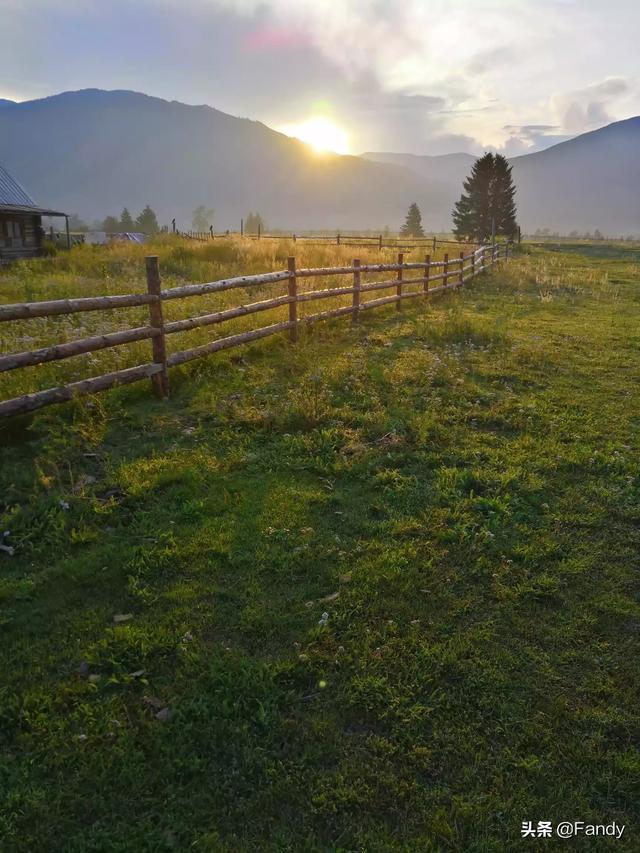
[{"x": 321, "y": 134}]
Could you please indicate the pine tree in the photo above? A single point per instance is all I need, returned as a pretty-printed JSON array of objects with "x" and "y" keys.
[
  {"x": 462, "y": 217},
  {"x": 202, "y": 218},
  {"x": 252, "y": 222},
  {"x": 413, "y": 223},
  {"x": 504, "y": 206},
  {"x": 111, "y": 225},
  {"x": 126, "y": 221},
  {"x": 147, "y": 222},
  {"x": 488, "y": 198}
]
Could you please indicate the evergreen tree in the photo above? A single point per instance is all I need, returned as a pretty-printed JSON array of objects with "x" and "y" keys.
[
  {"x": 413, "y": 223},
  {"x": 111, "y": 225},
  {"x": 147, "y": 222},
  {"x": 462, "y": 216},
  {"x": 503, "y": 203},
  {"x": 488, "y": 198},
  {"x": 251, "y": 223},
  {"x": 202, "y": 218},
  {"x": 126, "y": 221}
]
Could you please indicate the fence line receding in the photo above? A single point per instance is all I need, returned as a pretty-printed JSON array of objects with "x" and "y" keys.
[{"x": 449, "y": 273}]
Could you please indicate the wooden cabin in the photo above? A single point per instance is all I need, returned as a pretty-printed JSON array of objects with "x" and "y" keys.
[{"x": 21, "y": 232}]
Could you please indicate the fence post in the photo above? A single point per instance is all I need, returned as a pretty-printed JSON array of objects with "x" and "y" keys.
[
  {"x": 259, "y": 229},
  {"x": 159, "y": 381},
  {"x": 355, "y": 317},
  {"x": 461, "y": 280},
  {"x": 380, "y": 243},
  {"x": 434, "y": 245},
  {"x": 338, "y": 239},
  {"x": 445, "y": 270},
  {"x": 294, "y": 238},
  {"x": 242, "y": 227},
  {"x": 427, "y": 272},
  {"x": 400, "y": 277},
  {"x": 293, "y": 295}
]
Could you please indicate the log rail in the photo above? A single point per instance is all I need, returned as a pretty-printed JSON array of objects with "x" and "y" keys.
[{"x": 447, "y": 274}]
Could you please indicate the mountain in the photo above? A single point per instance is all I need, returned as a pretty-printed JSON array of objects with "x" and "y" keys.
[
  {"x": 590, "y": 182},
  {"x": 441, "y": 167},
  {"x": 586, "y": 183},
  {"x": 443, "y": 174},
  {"x": 94, "y": 152}
]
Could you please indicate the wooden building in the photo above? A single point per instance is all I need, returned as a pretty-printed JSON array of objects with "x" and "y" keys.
[{"x": 21, "y": 232}]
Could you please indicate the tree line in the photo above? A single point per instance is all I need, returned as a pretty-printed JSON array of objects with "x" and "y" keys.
[
  {"x": 146, "y": 222},
  {"x": 486, "y": 209}
]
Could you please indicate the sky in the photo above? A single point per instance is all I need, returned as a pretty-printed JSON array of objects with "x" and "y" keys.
[{"x": 419, "y": 76}]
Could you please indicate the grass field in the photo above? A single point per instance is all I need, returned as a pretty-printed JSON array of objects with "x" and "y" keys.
[
  {"x": 381, "y": 587},
  {"x": 98, "y": 271}
]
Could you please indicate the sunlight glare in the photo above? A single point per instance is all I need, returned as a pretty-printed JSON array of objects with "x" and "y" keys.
[{"x": 321, "y": 134}]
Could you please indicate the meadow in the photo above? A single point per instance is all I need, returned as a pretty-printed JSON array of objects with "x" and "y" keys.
[
  {"x": 374, "y": 591},
  {"x": 120, "y": 269}
]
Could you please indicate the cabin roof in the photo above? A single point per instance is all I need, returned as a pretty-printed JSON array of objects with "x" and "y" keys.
[{"x": 15, "y": 199}]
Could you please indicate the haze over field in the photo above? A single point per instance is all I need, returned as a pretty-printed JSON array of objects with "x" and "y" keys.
[{"x": 94, "y": 152}]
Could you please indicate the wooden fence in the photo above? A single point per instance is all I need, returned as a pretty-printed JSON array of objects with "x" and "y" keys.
[
  {"x": 450, "y": 272},
  {"x": 363, "y": 241}
]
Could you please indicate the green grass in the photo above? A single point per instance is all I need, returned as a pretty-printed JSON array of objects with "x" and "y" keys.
[
  {"x": 462, "y": 474},
  {"x": 97, "y": 271}
]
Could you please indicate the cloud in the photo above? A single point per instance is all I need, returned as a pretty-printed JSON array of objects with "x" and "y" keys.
[
  {"x": 413, "y": 47},
  {"x": 588, "y": 108},
  {"x": 407, "y": 75},
  {"x": 462, "y": 59},
  {"x": 487, "y": 61},
  {"x": 527, "y": 138},
  {"x": 274, "y": 38},
  {"x": 452, "y": 143}
]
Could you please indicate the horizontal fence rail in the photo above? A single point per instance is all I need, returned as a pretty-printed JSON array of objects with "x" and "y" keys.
[
  {"x": 445, "y": 274},
  {"x": 363, "y": 241}
]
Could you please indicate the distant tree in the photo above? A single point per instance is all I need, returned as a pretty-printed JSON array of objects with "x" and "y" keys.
[
  {"x": 202, "y": 218},
  {"x": 413, "y": 223},
  {"x": 147, "y": 222},
  {"x": 488, "y": 199},
  {"x": 111, "y": 225},
  {"x": 77, "y": 224},
  {"x": 251, "y": 223},
  {"x": 126, "y": 221}
]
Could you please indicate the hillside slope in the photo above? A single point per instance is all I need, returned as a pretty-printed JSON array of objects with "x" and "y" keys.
[
  {"x": 94, "y": 152},
  {"x": 592, "y": 181},
  {"x": 589, "y": 182}
]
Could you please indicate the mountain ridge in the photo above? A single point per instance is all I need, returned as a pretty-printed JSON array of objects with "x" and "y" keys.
[{"x": 95, "y": 151}]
